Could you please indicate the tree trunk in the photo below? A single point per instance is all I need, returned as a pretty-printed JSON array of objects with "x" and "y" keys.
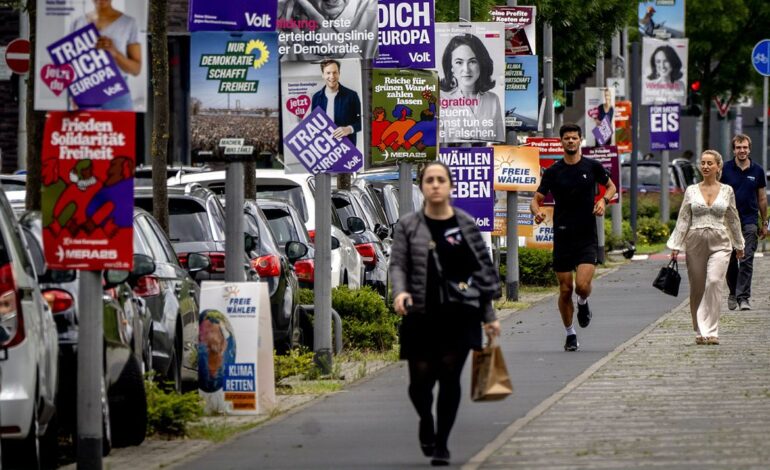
[
  {"x": 250, "y": 180},
  {"x": 35, "y": 121},
  {"x": 160, "y": 115}
]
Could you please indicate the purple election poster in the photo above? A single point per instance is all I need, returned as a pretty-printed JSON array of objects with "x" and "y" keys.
[
  {"x": 472, "y": 173},
  {"x": 315, "y": 146},
  {"x": 406, "y": 34},
  {"x": 232, "y": 15},
  {"x": 93, "y": 77},
  {"x": 664, "y": 127}
]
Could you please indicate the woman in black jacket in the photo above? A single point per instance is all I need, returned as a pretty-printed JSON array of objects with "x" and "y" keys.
[{"x": 436, "y": 336}]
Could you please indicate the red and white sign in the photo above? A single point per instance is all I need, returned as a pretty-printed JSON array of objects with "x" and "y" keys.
[
  {"x": 88, "y": 187},
  {"x": 723, "y": 107},
  {"x": 547, "y": 145},
  {"x": 17, "y": 56}
]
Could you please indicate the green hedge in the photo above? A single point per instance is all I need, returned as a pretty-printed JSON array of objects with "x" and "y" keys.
[{"x": 535, "y": 268}]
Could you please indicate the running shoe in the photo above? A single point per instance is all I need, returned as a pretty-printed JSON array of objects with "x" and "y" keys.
[
  {"x": 744, "y": 305},
  {"x": 572, "y": 343},
  {"x": 732, "y": 303},
  {"x": 584, "y": 315}
]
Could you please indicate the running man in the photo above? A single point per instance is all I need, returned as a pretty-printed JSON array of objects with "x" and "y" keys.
[{"x": 572, "y": 182}]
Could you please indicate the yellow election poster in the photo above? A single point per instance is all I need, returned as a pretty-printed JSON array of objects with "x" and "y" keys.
[
  {"x": 516, "y": 168},
  {"x": 542, "y": 233}
]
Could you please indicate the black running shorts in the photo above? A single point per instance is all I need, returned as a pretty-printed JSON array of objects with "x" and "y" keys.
[{"x": 567, "y": 256}]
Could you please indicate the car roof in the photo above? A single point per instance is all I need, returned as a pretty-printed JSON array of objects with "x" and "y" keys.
[{"x": 189, "y": 190}]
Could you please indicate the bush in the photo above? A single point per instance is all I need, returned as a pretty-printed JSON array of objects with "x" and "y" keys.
[
  {"x": 648, "y": 205},
  {"x": 298, "y": 361},
  {"x": 306, "y": 296},
  {"x": 652, "y": 231},
  {"x": 611, "y": 242},
  {"x": 169, "y": 413},
  {"x": 536, "y": 267}
]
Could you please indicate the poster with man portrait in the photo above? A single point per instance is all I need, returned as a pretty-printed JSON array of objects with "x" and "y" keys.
[
  {"x": 233, "y": 94},
  {"x": 520, "y": 34},
  {"x": 664, "y": 71},
  {"x": 333, "y": 29},
  {"x": 662, "y": 18},
  {"x": 600, "y": 116},
  {"x": 521, "y": 90},
  {"x": 80, "y": 65},
  {"x": 334, "y": 85},
  {"x": 471, "y": 69},
  {"x": 404, "y": 119}
]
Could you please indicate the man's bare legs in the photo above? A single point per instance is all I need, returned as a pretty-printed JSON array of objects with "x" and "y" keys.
[{"x": 582, "y": 286}]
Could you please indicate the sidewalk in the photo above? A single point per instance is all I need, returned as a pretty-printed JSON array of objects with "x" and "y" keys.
[{"x": 658, "y": 400}]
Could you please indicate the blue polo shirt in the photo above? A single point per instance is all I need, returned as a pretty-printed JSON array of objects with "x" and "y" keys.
[{"x": 745, "y": 184}]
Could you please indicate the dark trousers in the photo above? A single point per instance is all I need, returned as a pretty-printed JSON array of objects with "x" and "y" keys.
[{"x": 739, "y": 274}]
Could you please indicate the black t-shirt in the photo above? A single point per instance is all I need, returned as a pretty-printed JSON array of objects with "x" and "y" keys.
[
  {"x": 454, "y": 254},
  {"x": 574, "y": 188}
]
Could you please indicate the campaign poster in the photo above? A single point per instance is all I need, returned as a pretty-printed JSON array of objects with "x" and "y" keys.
[
  {"x": 516, "y": 168},
  {"x": 524, "y": 219},
  {"x": 472, "y": 82},
  {"x": 548, "y": 146},
  {"x": 406, "y": 33},
  {"x": 327, "y": 29},
  {"x": 521, "y": 89},
  {"x": 520, "y": 34},
  {"x": 233, "y": 94},
  {"x": 661, "y": 18},
  {"x": 472, "y": 170},
  {"x": 664, "y": 71},
  {"x": 81, "y": 65},
  {"x": 404, "y": 122},
  {"x": 232, "y": 15},
  {"x": 542, "y": 233},
  {"x": 664, "y": 127},
  {"x": 87, "y": 184},
  {"x": 315, "y": 143},
  {"x": 600, "y": 116},
  {"x": 609, "y": 158},
  {"x": 229, "y": 332},
  {"x": 623, "y": 126},
  {"x": 304, "y": 86}
]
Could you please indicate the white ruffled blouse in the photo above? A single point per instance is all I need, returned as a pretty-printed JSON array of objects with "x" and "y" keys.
[{"x": 695, "y": 213}]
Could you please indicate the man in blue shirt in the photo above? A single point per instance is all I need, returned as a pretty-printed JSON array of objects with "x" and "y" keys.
[{"x": 748, "y": 182}]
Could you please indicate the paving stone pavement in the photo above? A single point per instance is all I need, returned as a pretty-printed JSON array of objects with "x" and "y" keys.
[{"x": 658, "y": 401}]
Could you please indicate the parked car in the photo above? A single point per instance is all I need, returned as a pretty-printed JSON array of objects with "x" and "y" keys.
[
  {"x": 172, "y": 297},
  {"x": 28, "y": 361},
  {"x": 286, "y": 225},
  {"x": 358, "y": 227},
  {"x": 13, "y": 182},
  {"x": 127, "y": 323},
  {"x": 196, "y": 225},
  {"x": 143, "y": 173},
  {"x": 347, "y": 267},
  {"x": 682, "y": 173},
  {"x": 275, "y": 267}
]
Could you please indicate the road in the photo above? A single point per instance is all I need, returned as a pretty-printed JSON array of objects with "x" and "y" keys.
[{"x": 373, "y": 425}]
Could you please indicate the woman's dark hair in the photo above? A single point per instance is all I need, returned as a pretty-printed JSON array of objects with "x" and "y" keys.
[
  {"x": 435, "y": 163},
  {"x": 570, "y": 127},
  {"x": 673, "y": 59},
  {"x": 486, "y": 66}
]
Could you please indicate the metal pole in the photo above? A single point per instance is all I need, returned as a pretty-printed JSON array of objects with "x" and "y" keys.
[
  {"x": 600, "y": 83},
  {"x": 21, "y": 136},
  {"x": 548, "y": 79},
  {"x": 618, "y": 70},
  {"x": 636, "y": 99},
  {"x": 234, "y": 228},
  {"x": 724, "y": 137},
  {"x": 738, "y": 121},
  {"x": 405, "y": 204},
  {"x": 626, "y": 68},
  {"x": 665, "y": 207},
  {"x": 764, "y": 122},
  {"x": 465, "y": 10},
  {"x": 90, "y": 370},
  {"x": 698, "y": 136},
  {"x": 512, "y": 247},
  {"x": 322, "y": 288}
]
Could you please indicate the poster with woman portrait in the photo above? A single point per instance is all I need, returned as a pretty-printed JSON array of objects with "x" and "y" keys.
[
  {"x": 471, "y": 69},
  {"x": 664, "y": 71},
  {"x": 334, "y": 85},
  {"x": 600, "y": 116},
  {"x": 91, "y": 54}
]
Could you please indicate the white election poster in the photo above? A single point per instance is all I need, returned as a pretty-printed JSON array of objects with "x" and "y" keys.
[
  {"x": 664, "y": 71},
  {"x": 231, "y": 376}
]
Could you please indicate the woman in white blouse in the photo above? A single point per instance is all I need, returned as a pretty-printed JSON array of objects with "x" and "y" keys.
[{"x": 708, "y": 229}]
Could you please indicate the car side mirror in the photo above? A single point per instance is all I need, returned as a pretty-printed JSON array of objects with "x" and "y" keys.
[
  {"x": 249, "y": 243},
  {"x": 295, "y": 250},
  {"x": 197, "y": 262},
  {"x": 143, "y": 265},
  {"x": 335, "y": 243},
  {"x": 356, "y": 224},
  {"x": 382, "y": 231},
  {"x": 114, "y": 277}
]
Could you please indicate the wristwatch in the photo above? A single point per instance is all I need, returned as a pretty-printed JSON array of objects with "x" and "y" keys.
[{"x": 606, "y": 200}]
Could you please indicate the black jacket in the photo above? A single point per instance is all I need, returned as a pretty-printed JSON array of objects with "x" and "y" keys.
[{"x": 409, "y": 260}]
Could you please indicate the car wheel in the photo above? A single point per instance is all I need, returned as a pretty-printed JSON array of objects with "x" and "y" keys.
[
  {"x": 27, "y": 455},
  {"x": 174, "y": 373},
  {"x": 128, "y": 407},
  {"x": 147, "y": 357},
  {"x": 106, "y": 432},
  {"x": 297, "y": 335},
  {"x": 49, "y": 444}
]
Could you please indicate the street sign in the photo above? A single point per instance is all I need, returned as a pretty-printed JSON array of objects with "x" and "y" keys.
[
  {"x": 17, "y": 56},
  {"x": 760, "y": 57},
  {"x": 619, "y": 85},
  {"x": 723, "y": 106}
]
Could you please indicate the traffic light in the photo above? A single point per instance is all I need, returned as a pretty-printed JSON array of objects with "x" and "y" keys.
[
  {"x": 694, "y": 99},
  {"x": 559, "y": 101}
]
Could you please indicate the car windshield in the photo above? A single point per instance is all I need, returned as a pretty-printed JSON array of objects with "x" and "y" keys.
[
  {"x": 344, "y": 210},
  {"x": 292, "y": 193},
  {"x": 188, "y": 221},
  {"x": 282, "y": 225}
]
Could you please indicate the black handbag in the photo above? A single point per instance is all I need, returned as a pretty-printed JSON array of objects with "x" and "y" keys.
[
  {"x": 668, "y": 279},
  {"x": 455, "y": 292}
]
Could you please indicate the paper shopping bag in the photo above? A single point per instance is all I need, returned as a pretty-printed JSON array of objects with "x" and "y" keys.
[{"x": 489, "y": 377}]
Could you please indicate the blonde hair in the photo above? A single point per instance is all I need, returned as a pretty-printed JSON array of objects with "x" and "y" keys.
[{"x": 717, "y": 158}]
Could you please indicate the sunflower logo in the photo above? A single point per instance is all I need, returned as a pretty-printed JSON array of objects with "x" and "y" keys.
[{"x": 260, "y": 46}]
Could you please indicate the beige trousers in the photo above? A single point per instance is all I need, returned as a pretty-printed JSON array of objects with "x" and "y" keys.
[{"x": 708, "y": 255}]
